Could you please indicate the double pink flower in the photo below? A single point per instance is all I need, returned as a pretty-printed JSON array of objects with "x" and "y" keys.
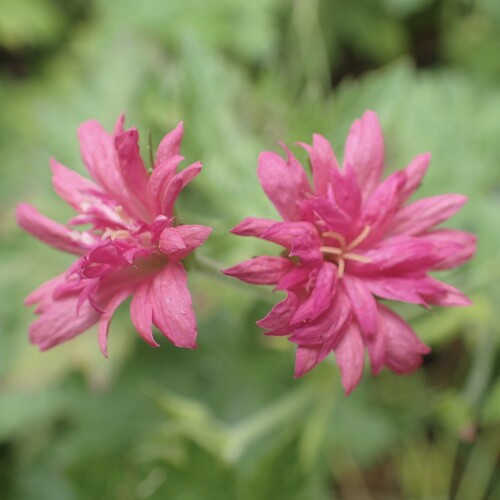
[
  {"x": 134, "y": 246},
  {"x": 347, "y": 240}
]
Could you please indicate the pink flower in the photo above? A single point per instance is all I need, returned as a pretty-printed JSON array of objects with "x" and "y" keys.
[
  {"x": 349, "y": 239},
  {"x": 134, "y": 246}
]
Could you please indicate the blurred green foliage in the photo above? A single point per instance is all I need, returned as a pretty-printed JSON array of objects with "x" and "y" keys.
[{"x": 228, "y": 420}]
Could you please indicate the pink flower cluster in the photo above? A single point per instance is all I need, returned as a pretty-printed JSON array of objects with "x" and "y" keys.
[
  {"x": 349, "y": 239},
  {"x": 134, "y": 246}
]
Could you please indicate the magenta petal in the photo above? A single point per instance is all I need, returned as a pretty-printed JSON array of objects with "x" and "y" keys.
[
  {"x": 176, "y": 185},
  {"x": 283, "y": 183},
  {"x": 253, "y": 226},
  {"x": 414, "y": 173},
  {"x": 106, "y": 316},
  {"x": 194, "y": 235},
  {"x": 171, "y": 241},
  {"x": 445, "y": 295},
  {"x": 430, "y": 212},
  {"x": 170, "y": 145},
  {"x": 307, "y": 357},
  {"x": 403, "y": 289},
  {"x": 297, "y": 277},
  {"x": 60, "y": 322},
  {"x": 263, "y": 270},
  {"x": 141, "y": 313},
  {"x": 131, "y": 165},
  {"x": 404, "y": 349},
  {"x": 452, "y": 248},
  {"x": 350, "y": 356},
  {"x": 323, "y": 161},
  {"x": 178, "y": 242},
  {"x": 364, "y": 150},
  {"x": 285, "y": 233},
  {"x": 307, "y": 248},
  {"x": 52, "y": 233},
  {"x": 321, "y": 296},
  {"x": 363, "y": 305},
  {"x": 70, "y": 186},
  {"x": 159, "y": 180},
  {"x": 346, "y": 190},
  {"x": 280, "y": 314},
  {"x": 172, "y": 306},
  {"x": 334, "y": 217}
]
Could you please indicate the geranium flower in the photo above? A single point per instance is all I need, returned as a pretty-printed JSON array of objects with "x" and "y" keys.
[
  {"x": 134, "y": 246},
  {"x": 350, "y": 239}
]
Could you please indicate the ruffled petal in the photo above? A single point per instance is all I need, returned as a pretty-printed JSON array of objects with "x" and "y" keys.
[
  {"x": 404, "y": 349},
  {"x": 280, "y": 315},
  {"x": 173, "y": 311},
  {"x": 364, "y": 150},
  {"x": 253, "y": 226},
  {"x": 350, "y": 356},
  {"x": 159, "y": 180},
  {"x": 420, "y": 216},
  {"x": 178, "y": 242},
  {"x": 285, "y": 233},
  {"x": 414, "y": 173},
  {"x": 170, "y": 145},
  {"x": 141, "y": 313},
  {"x": 50, "y": 232},
  {"x": 284, "y": 183},
  {"x": 176, "y": 185},
  {"x": 263, "y": 270}
]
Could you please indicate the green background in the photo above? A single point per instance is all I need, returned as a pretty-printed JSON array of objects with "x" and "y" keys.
[{"x": 228, "y": 421}]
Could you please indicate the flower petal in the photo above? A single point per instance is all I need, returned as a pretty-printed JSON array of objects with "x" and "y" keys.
[
  {"x": 420, "y": 216},
  {"x": 170, "y": 145},
  {"x": 364, "y": 150},
  {"x": 50, "y": 232},
  {"x": 141, "y": 313},
  {"x": 280, "y": 314},
  {"x": 176, "y": 185},
  {"x": 178, "y": 242},
  {"x": 404, "y": 349},
  {"x": 415, "y": 172},
  {"x": 262, "y": 270},
  {"x": 253, "y": 226},
  {"x": 159, "y": 180},
  {"x": 172, "y": 306},
  {"x": 285, "y": 233},
  {"x": 307, "y": 357},
  {"x": 350, "y": 356},
  {"x": 284, "y": 183}
]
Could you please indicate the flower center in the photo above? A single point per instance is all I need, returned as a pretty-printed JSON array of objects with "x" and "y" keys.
[{"x": 339, "y": 254}]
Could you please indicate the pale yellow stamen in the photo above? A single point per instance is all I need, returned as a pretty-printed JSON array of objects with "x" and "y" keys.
[
  {"x": 341, "y": 267},
  {"x": 359, "y": 239},
  {"x": 113, "y": 234},
  {"x": 355, "y": 256},
  {"x": 332, "y": 250},
  {"x": 335, "y": 236}
]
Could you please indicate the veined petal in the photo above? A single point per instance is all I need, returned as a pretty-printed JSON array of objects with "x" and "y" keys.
[
  {"x": 297, "y": 277},
  {"x": 284, "y": 183},
  {"x": 404, "y": 349},
  {"x": 280, "y": 314},
  {"x": 363, "y": 305},
  {"x": 176, "y": 185},
  {"x": 253, "y": 226},
  {"x": 178, "y": 242},
  {"x": 334, "y": 217},
  {"x": 72, "y": 187},
  {"x": 263, "y": 270},
  {"x": 172, "y": 306},
  {"x": 131, "y": 165},
  {"x": 159, "y": 180},
  {"x": 346, "y": 190},
  {"x": 411, "y": 290},
  {"x": 141, "y": 313},
  {"x": 452, "y": 248},
  {"x": 60, "y": 322},
  {"x": 364, "y": 150},
  {"x": 415, "y": 172},
  {"x": 350, "y": 356},
  {"x": 445, "y": 295},
  {"x": 106, "y": 316},
  {"x": 50, "y": 232},
  {"x": 170, "y": 145},
  {"x": 321, "y": 296},
  {"x": 420, "y": 216},
  {"x": 285, "y": 233},
  {"x": 307, "y": 357}
]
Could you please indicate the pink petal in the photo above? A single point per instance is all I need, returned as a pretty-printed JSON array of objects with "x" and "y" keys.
[
  {"x": 194, "y": 235},
  {"x": 334, "y": 217},
  {"x": 307, "y": 357},
  {"x": 44, "y": 291},
  {"x": 70, "y": 186},
  {"x": 346, "y": 190},
  {"x": 321, "y": 296},
  {"x": 106, "y": 318},
  {"x": 280, "y": 314},
  {"x": 445, "y": 295},
  {"x": 297, "y": 277},
  {"x": 141, "y": 313},
  {"x": 306, "y": 248},
  {"x": 253, "y": 226},
  {"x": 170, "y": 145},
  {"x": 172, "y": 306},
  {"x": 409, "y": 290},
  {"x": 452, "y": 248},
  {"x": 323, "y": 161},
  {"x": 159, "y": 180},
  {"x": 422, "y": 215},
  {"x": 176, "y": 185},
  {"x": 364, "y": 150},
  {"x": 363, "y": 305},
  {"x": 178, "y": 242},
  {"x": 285, "y": 233},
  {"x": 131, "y": 165},
  {"x": 60, "y": 322},
  {"x": 262, "y": 270},
  {"x": 404, "y": 349},
  {"x": 415, "y": 172},
  {"x": 284, "y": 183},
  {"x": 50, "y": 232},
  {"x": 350, "y": 356}
]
